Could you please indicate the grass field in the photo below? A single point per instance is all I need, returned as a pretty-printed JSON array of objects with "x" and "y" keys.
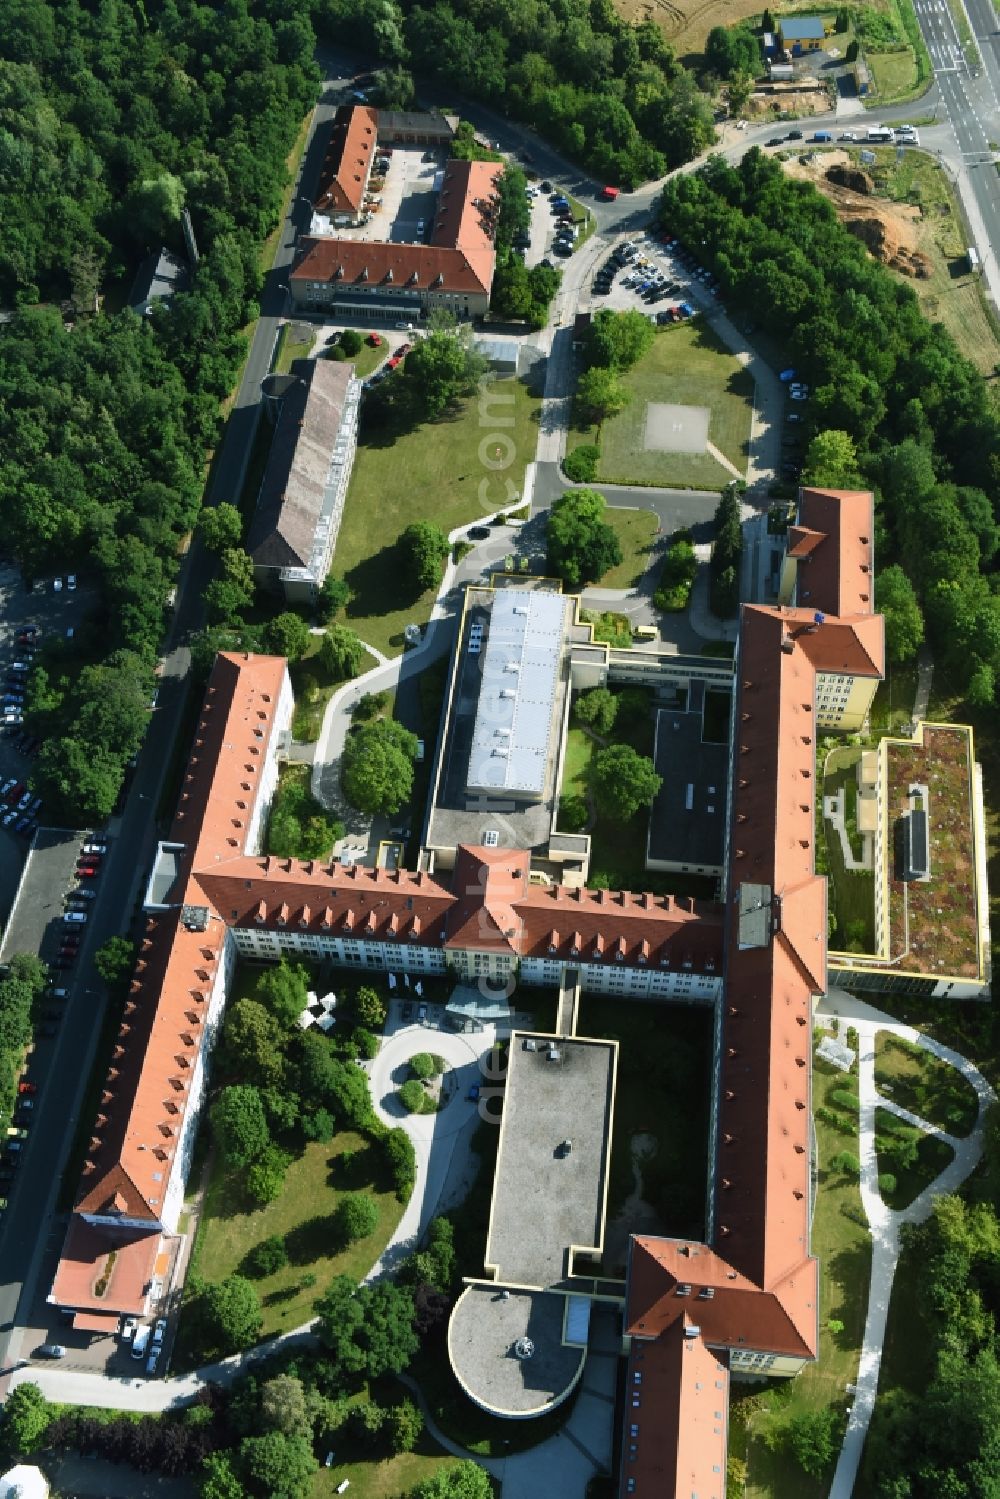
[
  {"x": 687, "y": 365},
  {"x": 636, "y": 532},
  {"x": 842, "y": 1244},
  {"x": 385, "y": 1479},
  {"x": 915, "y": 1079},
  {"x": 894, "y": 74},
  {"x": 437, "y": 472},
  {"x": 290, "y": 348},
  {"x": 301, "y": 1215},
  {"x": 951, "y": 295}
]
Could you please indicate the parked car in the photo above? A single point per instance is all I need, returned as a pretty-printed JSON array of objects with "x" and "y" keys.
[
  {"x": 49, "y": 1350},
  {"x": 25, "y": 1086},
  {"x": 129, "y": 1326},
  {"x": 159, "y": 1332}
]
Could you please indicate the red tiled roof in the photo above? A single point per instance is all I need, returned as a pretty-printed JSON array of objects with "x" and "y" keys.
[
  {"x": 488, "y": 886},
  {"x": 347, "y": 160},
  {"x": 84, "y": 1261},
  {"x": 679, "y": 1443},
  {"x": 485, "y": 904},
  {"x": 836, "y": 574},
  {"x": 467, "y": 205},
  {"x": 146, "y": 1089},
  {"x": 401, "y": 267},
  {"x": 737, "y": 1313}
]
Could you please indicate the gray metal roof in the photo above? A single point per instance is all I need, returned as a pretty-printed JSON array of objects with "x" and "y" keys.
[
  {"x": 159, "y": 276},
  {"x": 303, "y": 475},
  {"x": 514, "y": 733}
]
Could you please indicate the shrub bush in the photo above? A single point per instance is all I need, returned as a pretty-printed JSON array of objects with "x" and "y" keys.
[
  {"x": 351, "y": 342},
  {"x": 580, "y": 466},
  {"x": 423, "y": 1065},
  {"x": 845, "y": 1099},
  {"x": 266, "y": 1257},
  {"x": 886, "y": 1183},
  {"x": 846, "y": 1163},
  {"x": 415, "y": 1100}
]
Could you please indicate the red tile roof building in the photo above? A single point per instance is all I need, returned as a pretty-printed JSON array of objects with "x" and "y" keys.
[
  {"x": 347, "y": 163},
  {"x": 398, "y": 280}
]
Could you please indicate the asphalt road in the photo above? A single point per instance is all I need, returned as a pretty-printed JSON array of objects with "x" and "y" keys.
[{"x": 673, "y": 507}]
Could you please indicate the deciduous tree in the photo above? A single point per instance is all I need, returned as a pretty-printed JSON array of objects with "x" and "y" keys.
[
  {"x": 624, "y": 781},
  {"x": 581, "y": 545}
]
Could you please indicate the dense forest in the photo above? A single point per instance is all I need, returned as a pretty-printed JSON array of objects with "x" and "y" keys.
[
  {"x": 112, "y": 120},
  {"x": 923, "y": 429},
  {"x": 609, "y": 94}
]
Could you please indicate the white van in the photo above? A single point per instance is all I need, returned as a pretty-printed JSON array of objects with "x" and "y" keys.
[
  {"x": 141, "y": 1340},
  {"x": 972, "y": 256}
]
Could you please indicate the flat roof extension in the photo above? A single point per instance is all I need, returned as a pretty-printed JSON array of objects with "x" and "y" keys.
[{"x": 547, "y": 1199}]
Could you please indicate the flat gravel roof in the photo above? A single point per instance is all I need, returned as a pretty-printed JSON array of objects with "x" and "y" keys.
[
  {"x": 545, "y": 1200},
  {"x": 483, "y": 1330}
]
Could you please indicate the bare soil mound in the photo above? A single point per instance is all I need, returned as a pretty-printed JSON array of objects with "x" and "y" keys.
[
  {"x": 853, "y": 178},
  {"x": 889, "y": 231}
]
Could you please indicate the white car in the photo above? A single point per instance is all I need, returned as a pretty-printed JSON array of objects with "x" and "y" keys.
[
  {"x": 57, "y": 585},
  {"x": 71, "y": 582},
  {"x": 159, "y": 1332},
  {"x": 849, "y": 135},
  {"x": 128, "y": 1329}
]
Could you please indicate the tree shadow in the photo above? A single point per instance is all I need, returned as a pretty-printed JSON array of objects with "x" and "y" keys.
[
  {"x": 285, "y": 1293},
  {"x": 354, "y": 1169},
  {"x": 316, "y": 1238}
]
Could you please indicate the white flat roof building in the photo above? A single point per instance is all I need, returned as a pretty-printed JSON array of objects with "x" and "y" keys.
[{"x": 515, "y": 730}]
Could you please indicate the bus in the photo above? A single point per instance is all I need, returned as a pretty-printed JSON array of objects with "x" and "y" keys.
[{"x": 880, "y": 135}]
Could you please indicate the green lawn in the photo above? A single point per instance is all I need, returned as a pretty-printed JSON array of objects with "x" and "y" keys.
[
  {"x": 386, "y": 1478},
  {"x": 852, "y": 892},
  {"x": 636, "y": 531},
  {"x": 437, "y": 472},
  {"x": 301, "y": 1215},
  {"x": 290, "y": 348},
  {"x": 894, "y": 74},
  {"x": 686, "y": 365},
  {"x": 842, "y": 1244},
  {"x": 915, "y": 1079},
  {"x": 576, "y": 767}
]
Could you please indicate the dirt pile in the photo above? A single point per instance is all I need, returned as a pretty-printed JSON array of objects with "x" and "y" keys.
[
  {"x": 890, "y": 231},
  {"x": 876, "y": 234},
  {"x": 853, "y": 178}
]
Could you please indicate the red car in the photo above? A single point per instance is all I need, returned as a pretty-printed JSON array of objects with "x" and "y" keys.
[
  {"x": 403, "y": 350},
  {"x": 86, "y": 871},
  {"x": 374, "y": 340},
  {"x": 394, "y": 362},
  {"x": 25, "y": 1087}
]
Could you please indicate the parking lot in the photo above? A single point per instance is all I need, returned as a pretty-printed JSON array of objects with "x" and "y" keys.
[
  {"x": 648, "y": 262},
  {"x": 408, "y": 196},
  {"x": 46, "y": 611}
]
